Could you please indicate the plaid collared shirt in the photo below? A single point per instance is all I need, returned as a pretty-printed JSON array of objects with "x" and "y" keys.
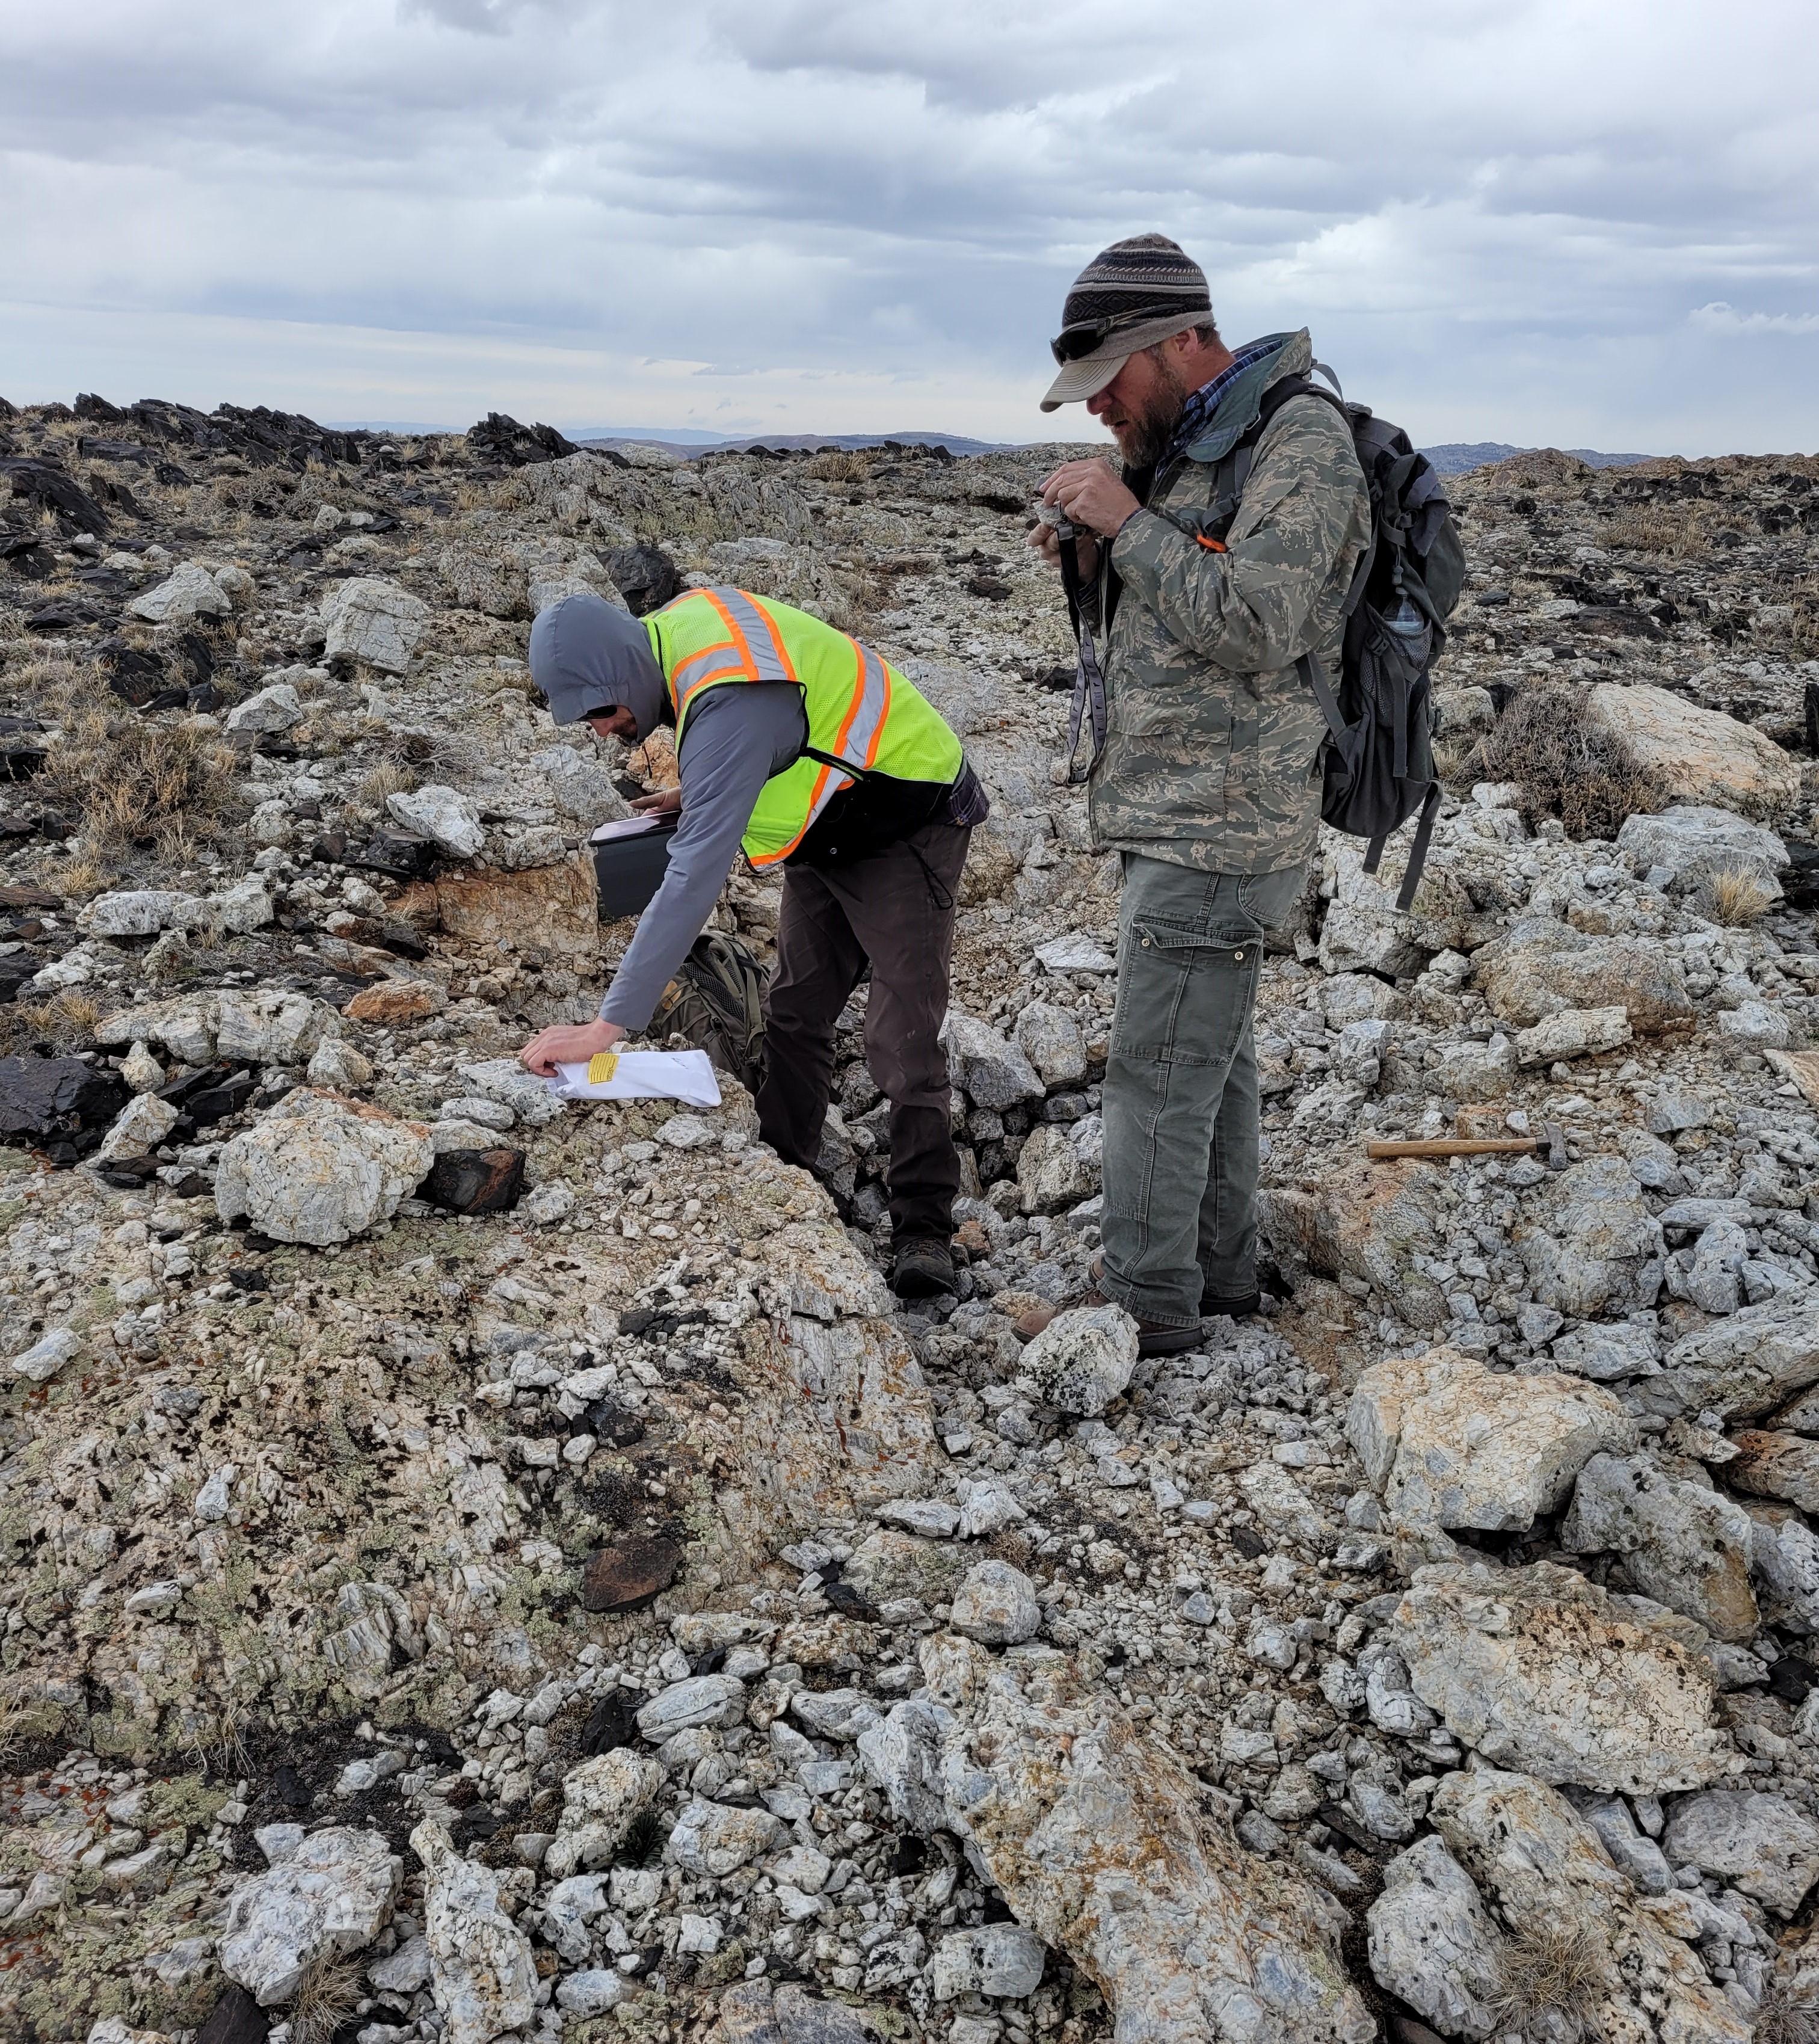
[{"x": 1197, "y": 413}]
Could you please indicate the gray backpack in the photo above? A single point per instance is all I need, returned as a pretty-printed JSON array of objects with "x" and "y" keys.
[{"x": 1377, "y": 755}]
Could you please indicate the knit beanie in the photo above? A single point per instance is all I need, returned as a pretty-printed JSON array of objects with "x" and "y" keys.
[{"x": 1142, "y": 290}]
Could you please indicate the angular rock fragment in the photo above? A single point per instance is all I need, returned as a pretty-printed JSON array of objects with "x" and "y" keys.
[
  {"x": 1684, "y": 1544},
  {"x": 1449, "y": 1443},
  {"x": 629, "y": 1573},
  {"x": 1764, "y": 1845},
  {"x": 1573, "y": 1032},
  {"x": 1745, "y": 1365},
  {"x": 1433, "y": 1943},
  {"x": 482, "y": 1972},
  {"x": 992, "y": 1073},
  {"x": 318, "y": 1169},
  {"x": 1770, "y": 1464},
  {"x": 711, "y": 1840},
  {"x": 451, "y": 820},
  {"x": 996, "y": 1605},
  {"x": 327, "y": 1892},
  {"x": 43, "y": 1100},
  {"x": 1105, "y": 1849},
  {"x": 1688, "y": 844},
  {"x": 996, "y": 1959},
  {"x": 1084, "y": 1359},
  {"x": 372, "y": 621},
  {"x": 1538, "y": 969},
  {"x": 600, "y": 1798},
  {"x": 479, "y": 1182},
  {"x": 1698, "y": 754},
  {"x": 1372, "y": 1222},
  {"x": 1537, "y": 1668},
  {"x": 1586, "y": 1242},
  {"x": 1544, "y": 1868}
]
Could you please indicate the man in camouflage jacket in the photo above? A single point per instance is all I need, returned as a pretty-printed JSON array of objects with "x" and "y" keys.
[{"x": 1209, "y": 785}]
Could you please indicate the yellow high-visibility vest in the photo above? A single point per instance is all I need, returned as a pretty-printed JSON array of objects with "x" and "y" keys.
[{"x": 862, "y": 713}]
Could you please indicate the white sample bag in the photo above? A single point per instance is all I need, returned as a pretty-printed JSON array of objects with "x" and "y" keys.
[{"x": 684, "y": 1075}]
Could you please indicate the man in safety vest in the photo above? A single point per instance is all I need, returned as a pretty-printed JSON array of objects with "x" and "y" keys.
[{"x": 808, "y": 750}]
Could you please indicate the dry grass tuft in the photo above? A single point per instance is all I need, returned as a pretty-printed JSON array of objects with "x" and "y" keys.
[
  {"x": 133, "y": 780},
  {"x": 1566, "y": 763},
  {"x": 1679, "y": 529},
  {"x": 1788, "y": 2016},
  {"x": 839, "y": 465},
  {"x": 389, "y": 777},
  {"x": 1561, "y": 1972},
  {"x": 327, "y": 1995},
  {"x": 1734, "y": 895}
]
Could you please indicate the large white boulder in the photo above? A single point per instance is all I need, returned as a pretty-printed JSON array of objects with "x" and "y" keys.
[
  {"x": 1539, "y": 1670},
  {"x": 372, "y": 620},
  {"x": 319, "y": 1169},
  {"x": 191, "y": 592},
  {"x": 1698, "y": 754},
  {"x": 1084, "y": 1359},
  {"x": 452, "y": 820},
  {"x": 482, "y": 1971},
  {"x": 327, "y": 1892},
  {"x": 1448, "y": 1443},
  {"x": 599, "y": 1800}
]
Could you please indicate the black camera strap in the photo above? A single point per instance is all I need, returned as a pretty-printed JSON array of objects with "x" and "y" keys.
[{"x": 1089, "y": 703}]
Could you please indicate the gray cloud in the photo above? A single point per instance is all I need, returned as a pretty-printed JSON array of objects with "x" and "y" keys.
[{"x": 1527, "y": 220}]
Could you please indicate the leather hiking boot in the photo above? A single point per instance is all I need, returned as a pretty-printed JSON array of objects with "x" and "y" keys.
[
  {"x": 1153, "y": 1337},
  {"x": 1231, "y": 1309},
  {"x": 922, "y": 1268}
]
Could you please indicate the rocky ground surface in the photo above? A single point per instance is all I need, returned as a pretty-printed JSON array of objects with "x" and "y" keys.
[{"x": 475, "y": 1567}]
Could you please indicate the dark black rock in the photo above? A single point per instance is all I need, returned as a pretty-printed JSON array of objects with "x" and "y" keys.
[
  {"x": 58, "y": 1101},
  {"x": 613, "y": 1424},
  {"x": 236, "y": 2018},
  {"x": 403, "y": 853},
  {"x": 645, "y": 576},
  {"x": 47, "y": 486},
  {"x": 499, "y": 437},
  {"x": 1791, "y": 1678},
  {"x": 476, "y": 1181},
  {"x": 135, "y": 677},
  {"x": 611, "y": 1724}
]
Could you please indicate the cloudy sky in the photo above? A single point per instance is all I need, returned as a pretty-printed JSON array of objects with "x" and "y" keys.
[{"x": 1586, "y": 222}]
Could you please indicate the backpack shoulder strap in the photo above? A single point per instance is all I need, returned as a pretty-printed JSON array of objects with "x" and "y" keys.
[{"x": 1235, "y": 468}]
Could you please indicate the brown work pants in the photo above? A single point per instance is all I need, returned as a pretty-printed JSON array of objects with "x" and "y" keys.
[{"x": 895, "y": 909}]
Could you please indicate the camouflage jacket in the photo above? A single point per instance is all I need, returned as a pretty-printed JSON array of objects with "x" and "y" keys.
[{"x": 1212, "y": 740}]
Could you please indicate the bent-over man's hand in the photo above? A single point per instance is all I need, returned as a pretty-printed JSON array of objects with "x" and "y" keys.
[
  {"x": 1091, "y": 495},
  {"x": 551, "y": 1047},
  {"x": 666, "y": 802}
]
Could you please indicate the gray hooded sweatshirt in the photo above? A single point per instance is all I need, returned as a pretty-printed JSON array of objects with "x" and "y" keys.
[{"x": 587, "y": 656}]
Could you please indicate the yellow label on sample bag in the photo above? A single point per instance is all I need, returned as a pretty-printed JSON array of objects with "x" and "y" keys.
[{"x": 601, "y": 1067}]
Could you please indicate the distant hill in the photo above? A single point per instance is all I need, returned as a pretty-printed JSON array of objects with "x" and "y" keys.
[
  {"x": 1455, "y": 457},
  {"x": 679, "y": 440}
]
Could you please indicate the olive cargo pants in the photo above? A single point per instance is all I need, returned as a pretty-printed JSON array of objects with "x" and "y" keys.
[
  {"x": 896, "y": 909},
  {"x": 1180, "y": 1101}
]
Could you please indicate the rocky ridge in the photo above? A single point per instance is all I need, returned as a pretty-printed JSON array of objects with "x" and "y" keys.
[{"x": 476, "y": 1568}]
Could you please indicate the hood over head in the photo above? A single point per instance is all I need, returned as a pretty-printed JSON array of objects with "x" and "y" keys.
[{"x": 587, "y": 654}]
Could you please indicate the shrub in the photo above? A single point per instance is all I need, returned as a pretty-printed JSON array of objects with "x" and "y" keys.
[{"x": 1567, "y": 762}]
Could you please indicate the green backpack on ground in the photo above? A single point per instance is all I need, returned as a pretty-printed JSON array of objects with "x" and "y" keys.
[{"x": 716, "y": 1001}]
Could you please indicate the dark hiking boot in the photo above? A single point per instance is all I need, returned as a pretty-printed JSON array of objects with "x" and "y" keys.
[
  {"x": 1153, "y": 1337},
  {"x": 1231, "y": 1309},
  {"x": 922, "y": 1268}
]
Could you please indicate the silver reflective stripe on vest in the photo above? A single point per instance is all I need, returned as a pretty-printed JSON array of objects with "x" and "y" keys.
[
  {"x": 865, "y": 724},
  {"x": 768, "y": 658}
]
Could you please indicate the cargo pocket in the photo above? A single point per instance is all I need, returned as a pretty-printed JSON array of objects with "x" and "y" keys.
[{"x": 1185, "y": 995}]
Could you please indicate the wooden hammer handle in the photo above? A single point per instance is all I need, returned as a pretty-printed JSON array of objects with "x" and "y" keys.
[{"x": 1456, "y": 1145}]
